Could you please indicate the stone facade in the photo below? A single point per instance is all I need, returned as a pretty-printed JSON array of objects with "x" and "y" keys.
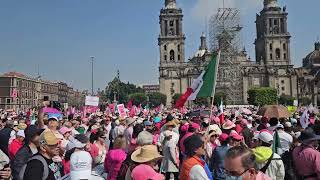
[
  {"x": 272, "y": 67},
  {"x": 30, "y": 92}
]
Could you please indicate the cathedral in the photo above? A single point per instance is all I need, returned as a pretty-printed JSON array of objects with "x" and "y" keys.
[{"x": 236, "y": 73}]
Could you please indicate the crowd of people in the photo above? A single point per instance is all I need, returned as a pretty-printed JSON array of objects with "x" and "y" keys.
[{"x": 154, "y": 145}]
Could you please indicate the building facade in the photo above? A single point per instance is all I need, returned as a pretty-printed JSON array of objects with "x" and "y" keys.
[
  {"x": 151, "y": 88},
  {"x": 237, "y": 73},
  {"x": 20, "y": 92}
]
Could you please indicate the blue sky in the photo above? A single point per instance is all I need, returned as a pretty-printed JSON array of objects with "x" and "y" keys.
[{"x": 59, "y": 36}]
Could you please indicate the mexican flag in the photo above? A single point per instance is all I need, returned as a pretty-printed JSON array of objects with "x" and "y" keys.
[{"x": 204, "y": 86}]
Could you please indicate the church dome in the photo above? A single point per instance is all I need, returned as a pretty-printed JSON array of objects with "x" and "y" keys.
[{"x": 313, "y": 58}]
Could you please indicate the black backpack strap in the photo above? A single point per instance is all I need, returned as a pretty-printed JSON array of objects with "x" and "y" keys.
[{"x": 265, "y": 167}]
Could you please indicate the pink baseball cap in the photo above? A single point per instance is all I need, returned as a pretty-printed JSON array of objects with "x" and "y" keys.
[
  {"x": 144, "y": 172},
  {"x": 223, "y": 137},
  {"x": 185, "y": 128},
  {"x": 195, "y": 126},
  {"x": 64, "y": 130},
  {"x": 236, "y": 136}
]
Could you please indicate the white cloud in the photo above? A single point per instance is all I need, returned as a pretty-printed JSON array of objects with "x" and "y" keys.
[{"x": 206, "y": 8}]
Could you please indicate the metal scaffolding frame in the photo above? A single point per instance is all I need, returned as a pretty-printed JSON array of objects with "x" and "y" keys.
[{"x": 224, "y": 34}]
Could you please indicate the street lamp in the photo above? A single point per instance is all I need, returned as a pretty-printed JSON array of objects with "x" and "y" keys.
[{"x": 92, "y": 60}]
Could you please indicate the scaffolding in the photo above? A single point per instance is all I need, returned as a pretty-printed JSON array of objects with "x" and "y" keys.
[{"x": 224, "y": 34}]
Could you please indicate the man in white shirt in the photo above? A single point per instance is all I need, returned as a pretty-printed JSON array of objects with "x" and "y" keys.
[{"x": 285, "y": 139}]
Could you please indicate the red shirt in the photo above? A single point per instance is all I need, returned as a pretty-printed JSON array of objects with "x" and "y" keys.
[{"x": 14, "y": 147}]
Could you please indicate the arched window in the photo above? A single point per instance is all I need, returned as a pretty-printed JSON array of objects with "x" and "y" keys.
[
  {"x": 165, "y": 57},
  {"x": 178, "y": 48},
  {"x": 179, "y": 57},
  {"x": 172, "y": 55},
  {"x": 165, "y": 47},
  {"x": 278, "y": 52},
  {"x": 270, "y": 46},
  {"x": 284, "y": 46}
]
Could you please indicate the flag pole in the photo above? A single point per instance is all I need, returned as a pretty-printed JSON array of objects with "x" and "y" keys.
[{"x": 214, "y": 84}]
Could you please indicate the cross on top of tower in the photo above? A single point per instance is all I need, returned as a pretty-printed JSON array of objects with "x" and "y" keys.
[{"x": 170, "y": 4}]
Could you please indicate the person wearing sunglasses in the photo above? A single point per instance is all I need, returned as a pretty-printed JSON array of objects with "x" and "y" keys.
[{"x": 240, "y": 164}]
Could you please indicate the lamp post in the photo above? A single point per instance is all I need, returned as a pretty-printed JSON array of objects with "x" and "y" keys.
[{"x": 92, "y": 60}]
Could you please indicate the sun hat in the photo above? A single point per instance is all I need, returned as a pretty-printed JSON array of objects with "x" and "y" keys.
[
  {"x": 308, "y": 135},
  {"x": 266, "y": 137},
  {"x": 130, "y": 121},
  {"x": 280, "y": 126},
  {"x": 64, "y": 130},
  {"x": 21, "y": 133},
  {"x": 144, "y": 138},
  {"x": 54, "y": 118},
  {"x": 145, "y": 154},
  {"x": 48, "y": 138},
  {"x": 228, "y": 125},
  {"x": 80, "y": 165},
  {"x": 145, "y": 172},
  {"x": 215, "y": 128},
  {"x": 167, "y": 133}
]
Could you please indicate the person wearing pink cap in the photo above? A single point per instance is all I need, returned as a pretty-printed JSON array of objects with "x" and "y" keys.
[
  {"x": 235, "y": 139},
  {"x": 66, "y": 132},
  {"x": 216, "y": 162},
  {"x": 193, "y": 129}
]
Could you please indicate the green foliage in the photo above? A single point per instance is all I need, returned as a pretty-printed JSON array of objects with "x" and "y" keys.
[
  {"x": 138, "y": 98},
  {"x": 305, "y": 101},
  {"x": 176, "y": 97},
  {"x": 286, "y": 100},
  {"x": 262, "y": 96},
  {"x": 121, "y": 90},
  {"x": 156, "y": 99}
]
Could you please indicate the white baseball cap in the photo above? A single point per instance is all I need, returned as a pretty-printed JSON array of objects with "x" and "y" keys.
[
  {"x": 80, "y": 165},
  {"x": 266, "y": 137},
  {"x": 21, "y": 133}
]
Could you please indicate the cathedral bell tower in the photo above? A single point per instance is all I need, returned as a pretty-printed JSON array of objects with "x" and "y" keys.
[
  {"x": 171, "y": 43},
  {"x": 273, "y": 39},
  {"x": 171, "y": 39}
]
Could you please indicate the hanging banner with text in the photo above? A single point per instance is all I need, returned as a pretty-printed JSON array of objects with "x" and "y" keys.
[
  {"x": 92, "y": 101},
  {"x": 121, "y": 111}
]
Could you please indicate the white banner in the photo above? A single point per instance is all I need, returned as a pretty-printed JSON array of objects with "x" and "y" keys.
[{"x": 92, "y": 101}]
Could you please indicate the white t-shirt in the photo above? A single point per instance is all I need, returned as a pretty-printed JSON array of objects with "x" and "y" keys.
[
  {"x": 197, "y": 172},
  {"x": 285, "y": 140}
]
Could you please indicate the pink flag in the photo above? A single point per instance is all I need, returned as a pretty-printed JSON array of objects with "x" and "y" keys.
[
  {"x": 129, "y": 105},
  {"x": 133, "y": 111}
]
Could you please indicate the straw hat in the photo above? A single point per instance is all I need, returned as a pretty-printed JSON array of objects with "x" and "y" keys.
[
  {"x": 228, "y": 125},
  {"x": 146, "y": 153}
]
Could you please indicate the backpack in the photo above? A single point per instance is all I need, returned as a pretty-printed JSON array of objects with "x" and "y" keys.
[{"x": 44, "y": 163}]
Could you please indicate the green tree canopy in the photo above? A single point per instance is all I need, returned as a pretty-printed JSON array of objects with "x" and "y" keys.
[
  {"x": 286, "y": 100},
  {"x": 121, "y": 90},
  {"x": 138, "y": 98},
  {"x": 262, "y": 96},
  {"x": 156, "y": 99}
]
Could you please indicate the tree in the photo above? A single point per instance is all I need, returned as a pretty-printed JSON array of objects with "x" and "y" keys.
[
  {"x": 305, "y": 101},
  {"x": 175, "y": 97},
  {"x": 262, "y": 96},
  {"x": 121, "y": 90},
  {"x": 156, "y": 99},
  {"x": 138, "y": 98},
  {"x": 286, "y": 100}
]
